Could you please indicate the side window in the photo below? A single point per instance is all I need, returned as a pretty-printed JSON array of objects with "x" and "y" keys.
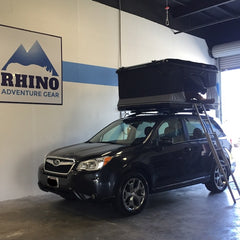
[
  {"x": 144, "y": 129},
  {"x": 172, "y": 130},
  {"x": 194, "y": 128},
  {"x": 162, "y": 129},
  {"x": 216, "y": 128}
]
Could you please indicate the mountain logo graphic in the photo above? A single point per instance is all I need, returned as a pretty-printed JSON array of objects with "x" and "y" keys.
[{"x": 35, "y": 55}]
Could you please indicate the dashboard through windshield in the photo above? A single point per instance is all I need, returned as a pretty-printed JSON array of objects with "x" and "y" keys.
[{"x": 125, "y": 132}]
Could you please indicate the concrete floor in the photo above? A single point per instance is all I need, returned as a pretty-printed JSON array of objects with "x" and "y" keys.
[
  {"x": 190, "y": 213},
  {"x": 187, "y": 213}
]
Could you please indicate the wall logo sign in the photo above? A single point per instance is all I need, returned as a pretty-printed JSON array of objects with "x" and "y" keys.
[{"x": 31, "y": 67}]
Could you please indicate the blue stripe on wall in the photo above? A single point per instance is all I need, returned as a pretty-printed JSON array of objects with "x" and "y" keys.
[{"x": 82, "y": 73}]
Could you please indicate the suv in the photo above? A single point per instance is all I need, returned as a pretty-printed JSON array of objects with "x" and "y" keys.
[{"x": 135, "y": 156}]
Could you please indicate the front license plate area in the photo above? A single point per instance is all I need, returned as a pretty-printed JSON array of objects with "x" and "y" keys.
[{"x": 53, "y": 182}]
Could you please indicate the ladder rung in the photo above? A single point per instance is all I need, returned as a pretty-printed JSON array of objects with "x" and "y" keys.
[
  {"x": 231, "y": 182},
  {"x": 207, "y": 120},
  {"x": 211, "y": 134},
  {"x": 218, "y": 149}
]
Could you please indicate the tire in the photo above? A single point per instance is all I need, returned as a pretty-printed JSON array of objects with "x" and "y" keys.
[
  {"x": 132, "y": 194},
  {"x": 217, "y": 183}
]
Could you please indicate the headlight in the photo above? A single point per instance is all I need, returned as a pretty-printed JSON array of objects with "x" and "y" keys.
[{"x": 93, "y": 164}]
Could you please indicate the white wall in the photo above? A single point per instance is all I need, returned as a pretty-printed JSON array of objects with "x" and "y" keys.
[
  {"x": 144, "y": 41},
  {"x": 89, "y": 33}
]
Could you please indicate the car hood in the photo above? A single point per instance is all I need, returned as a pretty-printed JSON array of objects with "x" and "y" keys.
[{"x": 86, "y": 150}]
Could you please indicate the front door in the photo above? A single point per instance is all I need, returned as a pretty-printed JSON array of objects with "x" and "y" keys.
[{"x": 169, "y": 158}]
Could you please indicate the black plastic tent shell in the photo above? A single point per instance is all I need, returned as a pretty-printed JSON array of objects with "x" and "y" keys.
[{"x": 162, "y": 83}]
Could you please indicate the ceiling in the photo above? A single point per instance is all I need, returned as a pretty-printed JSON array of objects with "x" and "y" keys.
[{"x": 217, "y": 21}]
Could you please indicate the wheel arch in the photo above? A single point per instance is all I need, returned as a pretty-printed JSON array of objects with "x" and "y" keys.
[{"x": 136, "y": 168}]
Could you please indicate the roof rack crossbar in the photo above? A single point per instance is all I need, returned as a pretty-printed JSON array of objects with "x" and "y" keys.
[{"x": 171, "y": 108}]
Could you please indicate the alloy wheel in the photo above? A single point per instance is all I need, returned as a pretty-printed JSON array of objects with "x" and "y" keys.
[
  {"x": 133, "y": 194},
  {"x": 219, "y": 179}
]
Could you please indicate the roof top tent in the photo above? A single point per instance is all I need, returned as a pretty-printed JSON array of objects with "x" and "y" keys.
[{"x": 163, "y": 84}]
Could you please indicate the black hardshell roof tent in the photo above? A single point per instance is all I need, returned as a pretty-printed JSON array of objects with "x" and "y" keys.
[{"x": 163, "y": 83}]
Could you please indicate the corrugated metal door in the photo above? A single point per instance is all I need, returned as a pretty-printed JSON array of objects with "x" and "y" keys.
[{"x": 228, "y": 55}]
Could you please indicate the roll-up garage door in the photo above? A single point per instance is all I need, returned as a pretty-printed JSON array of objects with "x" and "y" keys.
[{"x": 228, "y": 55}]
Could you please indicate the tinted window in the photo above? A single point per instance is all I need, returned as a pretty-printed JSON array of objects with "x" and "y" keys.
[
  {"x": 194, "y": 128},
  {"x": 216, "y": 128},
  {"x": 143, "y": 129},
  {"x": 171, "y": 129}
]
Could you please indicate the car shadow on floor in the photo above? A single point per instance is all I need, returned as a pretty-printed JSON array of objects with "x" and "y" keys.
[{"x": 157, "y": 203}]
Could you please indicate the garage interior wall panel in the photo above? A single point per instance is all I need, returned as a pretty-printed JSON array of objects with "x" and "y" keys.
[{"x": 89, "y": 32}]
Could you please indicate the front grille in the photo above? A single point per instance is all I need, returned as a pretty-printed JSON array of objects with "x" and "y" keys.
[{"x": 59, "y": 165}]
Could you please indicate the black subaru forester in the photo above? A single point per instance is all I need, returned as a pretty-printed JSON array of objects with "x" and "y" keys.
[{"x": 135, "y": 156}]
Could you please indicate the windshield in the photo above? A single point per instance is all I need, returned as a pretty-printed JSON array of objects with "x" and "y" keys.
[{"x": 125, "y": 132}]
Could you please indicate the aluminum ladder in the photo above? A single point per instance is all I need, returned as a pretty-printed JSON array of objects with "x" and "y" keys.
[{"x": 216, "y": 148}]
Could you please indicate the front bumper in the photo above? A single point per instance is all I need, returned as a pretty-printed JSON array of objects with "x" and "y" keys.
[{"x": 83, "y": 184}]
